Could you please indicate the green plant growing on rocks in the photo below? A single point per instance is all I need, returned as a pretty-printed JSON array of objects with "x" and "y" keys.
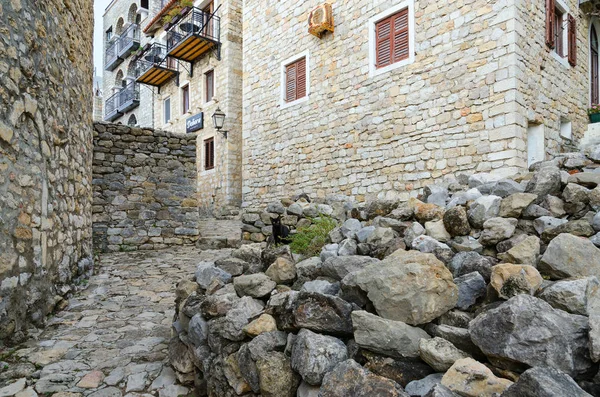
[{"x": 309, "y": 240}]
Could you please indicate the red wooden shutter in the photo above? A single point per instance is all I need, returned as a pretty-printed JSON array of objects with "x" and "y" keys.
[
  {"x": 301, "y": 78},
  {"x": 400, "y": 46},
  {"x": 572, "y": 35},
  {"x": 383, "y": 45},
  {"x": 550, "y": 27},
  {"x": 209, "y": 154},
  {"x": 290, "y": 83}
]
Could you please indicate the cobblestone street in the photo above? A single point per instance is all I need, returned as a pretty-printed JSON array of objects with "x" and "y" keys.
[{"x": 112, "y": 339}]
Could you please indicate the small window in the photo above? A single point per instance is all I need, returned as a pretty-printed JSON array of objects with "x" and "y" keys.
[
  {"x": 209, "y": 153},
  {"x": 167, "y": 110},
  {"x": 295, "y": 80},
  {"x": 109, "y": 33},
  {"x": 210, "y": 85},
  {"x": 185, "y": 99},
  {"x": 144, "y": 4},
  {"x": 392, "y": 44},
  {"x": 559, "y": 32}
]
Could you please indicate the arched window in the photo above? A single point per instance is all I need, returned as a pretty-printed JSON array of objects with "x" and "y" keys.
[
  {"x": 120, "y": 23},
  {"x": 131, "y": 69},
  {"x": 595, "y": 94},
  {"x": 119, "y": 79},
  {"x": 132, "y": 122},
  {"x": 132, "y": 14}
]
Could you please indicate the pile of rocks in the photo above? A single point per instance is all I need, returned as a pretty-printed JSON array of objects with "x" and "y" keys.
[{"x": 481, "y": 287}]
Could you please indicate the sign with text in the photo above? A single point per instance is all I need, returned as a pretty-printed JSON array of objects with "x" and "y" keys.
[{"x": 194, "y": 123}]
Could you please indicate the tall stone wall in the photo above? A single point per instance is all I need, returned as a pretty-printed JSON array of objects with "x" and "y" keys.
[
  {"x": 144, "y": 188},
  {"x": 45, "y": 157},
  {"x": 385, "y": 136}
]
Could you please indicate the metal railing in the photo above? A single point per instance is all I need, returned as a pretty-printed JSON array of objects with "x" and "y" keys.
[
  {"x": 129, "y": 40},
  {"x": 111, "y": 106},
  {"x": 129, "y": 96},
  {"x": 112, "y": 50},
  {"x": 154, "y": 56},
  {"x": 195, "y": 22}
]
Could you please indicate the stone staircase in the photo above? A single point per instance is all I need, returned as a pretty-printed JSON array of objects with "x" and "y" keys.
[{"x": 220, "y": 233}]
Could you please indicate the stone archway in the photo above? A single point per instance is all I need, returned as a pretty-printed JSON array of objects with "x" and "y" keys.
[
  {"x": 119, "y": 28},
  {"x": 132, "y": 14}
]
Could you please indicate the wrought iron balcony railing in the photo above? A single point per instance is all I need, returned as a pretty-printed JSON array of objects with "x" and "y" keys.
[
  {"x": 129, "y": 41},
  {"x": 129, "y": 97},
  {"x": 154, "y": 67},
  {"x": 193, "y": 35},
  {"x": 111, "y": 58},
  {"x": 111, "y": 107}
]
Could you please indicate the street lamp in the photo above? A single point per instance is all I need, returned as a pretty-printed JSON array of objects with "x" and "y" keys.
[{"x": 218, "y": 121}]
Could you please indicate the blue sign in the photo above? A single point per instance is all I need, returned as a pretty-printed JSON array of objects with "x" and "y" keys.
[{"x": 194, "y": 123}]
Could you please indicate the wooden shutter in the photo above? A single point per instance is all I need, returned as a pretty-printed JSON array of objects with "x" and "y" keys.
[
  {"x": 290, "y": 82},
  {"x": 550, "y": 27},
  {"x": 383, "y": 45},
  {"x": 572, "y": 35},
  {"x": 400, "y": 45},
  {"x": 209, "y": 153},
  {"x": 301, "y": 78}
]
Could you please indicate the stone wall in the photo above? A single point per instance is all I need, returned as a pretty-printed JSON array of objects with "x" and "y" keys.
[
  {"x": 144, "y": 188},
  {"x": 45, "y": 157}
]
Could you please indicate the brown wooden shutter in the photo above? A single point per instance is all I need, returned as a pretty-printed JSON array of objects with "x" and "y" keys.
[
  {"x": 209, "y": 153},
  {"x": 383, "y": 45},
  {"x": 572, "y": 35},
  {"x": 290, "y": 83},
  {"x": 550, "y": 27},
  {"x": 301, "y": 78},
  {"x": 400, "y": 46}
]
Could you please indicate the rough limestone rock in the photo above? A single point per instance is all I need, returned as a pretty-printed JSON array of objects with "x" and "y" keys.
[
  {"x": 439, "y": 353},
  {"x": 482, "y": 209},
  {"x": 428, "y": 244},
  {"x": 426, "y": 212},
  {"x": 423, "y": 386},
  {"x": 322, "y": 287},
  {"x": 313, "y": 355},
  {"x": 347, "y": 247},
  {"x": 579, "y": 227},
  {"x": 232, "y": 325},
  {"x": 466, "y": 244},
  {"x": 526, "y": 331},
  {"x": 471, "y": 287},
  {"x": 546, "y": 181},
  {"x": 440, "y": 390},
  {"x": 282, "y": 271},
  {"x": 365, "y": 233},
  {"x": 308, "y": 269},
  {"x": 570, "y": 256},
  {"x": 513, "y": 205},
  {"x": 255, "y": 285},
  {"x": 276, "y": 207},
  {"x": 338, "y": 267},
  {"x": 570, "y": 295},
  {"x": 322, "y": 313},
  {"x": 456, "y": 222},
  {"x": 264, "y": 323},
  {"x": 436, "y": 194},
  {"x": 436, "y": 230},
  {"x": 497, "y": 229},
  {"x": 467, "y": 262},
  {"x": 509, "y": 280},
  {"x": 276, "y": 377},
  {"x": 413, "y": 231},
  {"x": 350, "y": 379},
  {"x": 544, "y": 382},
  {"x": 470, "y": 378},
  {"x": 233, "y": 266},
  {"x": 392, "y": 338},
  {"x": 544, "y": 223},
  {"x": 525, "y": 252},
  {"x": 400, "y": 370},
  {"x": 206, "y": 272},
  {"x": 409, "y": 286},
  {"x": 350, "y": 228}
]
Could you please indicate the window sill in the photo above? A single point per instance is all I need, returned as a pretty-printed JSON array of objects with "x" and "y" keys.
[
  {"x": 285, "y": 104},
  {"x": 373, "y": 72},
  {"x": 207, "y": 172},
  {"x": 562, "y": 60}
]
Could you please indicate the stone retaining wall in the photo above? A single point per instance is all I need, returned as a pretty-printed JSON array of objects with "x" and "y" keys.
[
  {"x": 144, "y": 188},
  {"x": 45, "y": 157}
]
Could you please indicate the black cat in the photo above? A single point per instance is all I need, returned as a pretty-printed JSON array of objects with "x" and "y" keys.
[{"x": 280, "y": 232}]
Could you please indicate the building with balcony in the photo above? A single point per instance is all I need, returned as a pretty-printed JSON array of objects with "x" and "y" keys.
[{"x": 125, "y": 101}]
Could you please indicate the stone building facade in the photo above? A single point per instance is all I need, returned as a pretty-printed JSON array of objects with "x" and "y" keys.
[
  {"x": 45, "y": 157},
  {"x": 144, "y": 189},
  {"x": 480, "y": 90}
]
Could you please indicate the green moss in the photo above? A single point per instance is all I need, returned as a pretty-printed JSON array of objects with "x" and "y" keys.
[{"x": 309, "y": 241}]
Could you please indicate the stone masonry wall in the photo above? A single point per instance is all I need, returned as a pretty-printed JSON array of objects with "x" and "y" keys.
[
  {"x": 45, "y": 157},
  {"x": 385, "y": 136},
  {"x": 144, "y": 188}
]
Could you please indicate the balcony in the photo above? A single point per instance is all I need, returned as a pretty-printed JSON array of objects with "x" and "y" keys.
[
  {"x": 153, "y": 66},
  {"x": 129, "y": 97},
  {"x": 129, "y": 41},
  {"x": 193, "y": 35},
  {"x": 111, "y": 59},
  {"x": 111, "y": 108}
]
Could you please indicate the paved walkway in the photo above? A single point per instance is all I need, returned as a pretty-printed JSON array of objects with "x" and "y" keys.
[{"x": 112, "y": 339}]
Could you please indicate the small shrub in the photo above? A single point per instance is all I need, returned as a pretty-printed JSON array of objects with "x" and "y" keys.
[{"x": 309, "y": 241}]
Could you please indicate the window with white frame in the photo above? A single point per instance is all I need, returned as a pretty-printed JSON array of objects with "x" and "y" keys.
[
  {"x": 392, "y": 38},
  {"x": 167, "y": 110},
  {"x": 561, "y": 32},
  {"x": 295, "y": 79}
]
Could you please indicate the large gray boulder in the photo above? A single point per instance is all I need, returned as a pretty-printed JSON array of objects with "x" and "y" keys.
[
  {"x": 255, "y": 285},
  {"x": 313, "y": 355},
  {"x": 526, "y": 331},
  {"x": 497, "y": 229},
  {"x": 349, "y": 379},
  {"x": 322, "y": 313},
  {"x": 232, "y": 325},
  {"x": 570, "y": 256},
  {"x": 544, "y": 382},
  {"x": 456, "y": 221},
  {"x": 423, "y": 386},
  {"x": 471, "y": 287},
  {"x": 392, "y": 338},
  {"x": 513, "y": 205},
  {"x": 545, "y": 181},
  {"x": 570, "y": 295},
  {"x": 482, "y": 209},
  {"x": 338, "y": 267},
  {"x": 206, "y": 272},
  {"x": 350, "y": 228},
  {"x": 468, "y": 262},
  {"x": 409, "y": 286},
  {"x": 439, "y": 353},
  {"x": 544, "y": 223}
]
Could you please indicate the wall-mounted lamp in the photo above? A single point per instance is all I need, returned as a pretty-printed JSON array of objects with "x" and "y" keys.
[{"x": 218, "y": 121}]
